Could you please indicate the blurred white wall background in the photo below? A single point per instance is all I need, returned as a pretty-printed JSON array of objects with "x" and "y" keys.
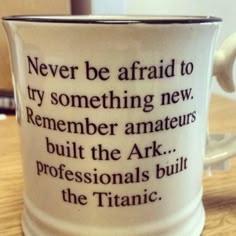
[{"x": 226, "y": 9}]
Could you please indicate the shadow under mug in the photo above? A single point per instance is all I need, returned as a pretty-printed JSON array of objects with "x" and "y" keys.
[{"x": 112, "y": 114}]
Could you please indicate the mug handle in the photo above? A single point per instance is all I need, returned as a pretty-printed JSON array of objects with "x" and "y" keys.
[{"x": 221, "y": 147}]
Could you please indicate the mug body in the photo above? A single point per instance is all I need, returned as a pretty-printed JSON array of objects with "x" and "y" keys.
[{"x": 112, "y": 115}]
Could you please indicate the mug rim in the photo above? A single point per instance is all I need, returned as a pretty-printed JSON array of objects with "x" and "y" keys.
[{"x": 115, "y": 19}]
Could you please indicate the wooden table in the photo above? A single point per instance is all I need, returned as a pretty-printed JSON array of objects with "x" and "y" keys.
[{"x": 219, "y": 190}]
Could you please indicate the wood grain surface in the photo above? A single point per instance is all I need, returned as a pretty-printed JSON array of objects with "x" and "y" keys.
[{"x": 219, "y": 190}]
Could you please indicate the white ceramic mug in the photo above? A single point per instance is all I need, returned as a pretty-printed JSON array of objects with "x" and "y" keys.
[{"x": 112, "y": 114}]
